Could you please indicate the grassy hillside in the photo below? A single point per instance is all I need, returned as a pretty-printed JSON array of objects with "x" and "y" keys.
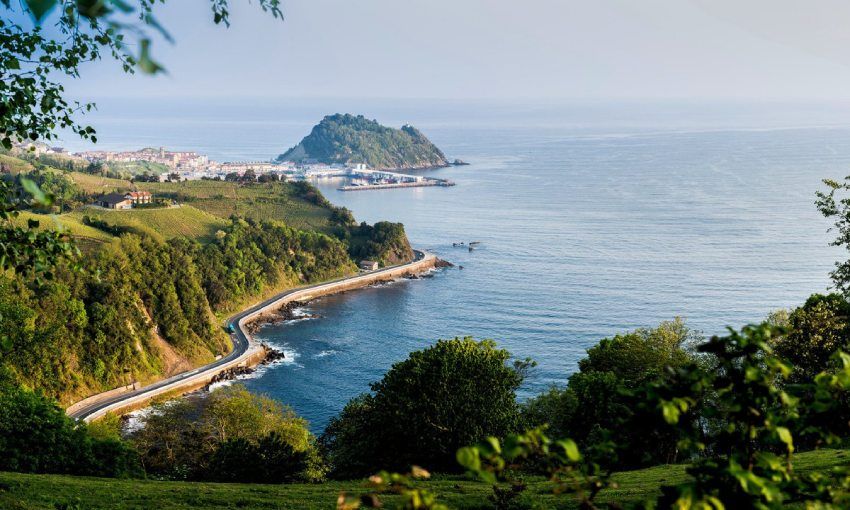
[
  {"x": 14, "y": 165},
  {"x": 30, "y": 492},
  {"x": 160, "y": 223},
  {"x": 166, "y": 223},
  {"x": 64, "y": 222},
  {"x": 271, "y": 201}
]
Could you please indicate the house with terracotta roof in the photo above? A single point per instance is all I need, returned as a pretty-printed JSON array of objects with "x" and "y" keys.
[
  {"x": 140, "y": 197},
  {"x": 123, "y": 201}
]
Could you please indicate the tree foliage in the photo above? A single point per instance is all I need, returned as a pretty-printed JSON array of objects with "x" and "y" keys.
[
  {"x": 34, "y": 58},
  {"x": 36, "y": 436},
  {"x": 815, "y": 331},
  {"x": 749, "y": 420},
  {"x": 426, "y": 407},
  {"x": 232, "y": 436},
  {"x": 598, "y": 406}
]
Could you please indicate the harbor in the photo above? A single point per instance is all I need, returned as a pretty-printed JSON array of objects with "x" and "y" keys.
[{"x": 365, "y": 179}]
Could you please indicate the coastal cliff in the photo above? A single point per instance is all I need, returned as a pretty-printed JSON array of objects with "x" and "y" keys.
[{"x": 349, "y": 139}]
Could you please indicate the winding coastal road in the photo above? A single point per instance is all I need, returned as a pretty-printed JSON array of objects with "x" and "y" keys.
[{"x": 244, "y": 347}]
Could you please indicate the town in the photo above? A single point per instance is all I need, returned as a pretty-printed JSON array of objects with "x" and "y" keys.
[{"x": 189, "y": 165}]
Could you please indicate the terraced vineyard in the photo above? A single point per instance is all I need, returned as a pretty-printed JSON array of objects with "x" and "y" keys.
[
  {"x": 96, "y": 184},
  {"x": 270, "y": 201},
  {"x": 164, "y": 223}
]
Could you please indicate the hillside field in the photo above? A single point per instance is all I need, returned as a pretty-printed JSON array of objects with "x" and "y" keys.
[
  {"x": 270, "y": 201},
  {"x": 48, "y": 492},
  {"x": 168, "y": 223}
]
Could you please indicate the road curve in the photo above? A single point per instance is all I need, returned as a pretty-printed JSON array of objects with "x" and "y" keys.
[{"x": 244, "y": 347}]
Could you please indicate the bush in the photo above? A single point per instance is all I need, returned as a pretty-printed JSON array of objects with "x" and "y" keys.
[
  {"x": 426, "y": 407},
  {"x": 599, "y": 404},
  {"x": 232, "y": 436},
  {"x": 36, "y": 436}
]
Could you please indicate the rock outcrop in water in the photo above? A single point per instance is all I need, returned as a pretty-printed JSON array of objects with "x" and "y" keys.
[{"x": 349, "y": 139}]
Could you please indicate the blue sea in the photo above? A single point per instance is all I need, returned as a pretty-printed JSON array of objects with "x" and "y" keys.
[{"x": 593, "y": 218}]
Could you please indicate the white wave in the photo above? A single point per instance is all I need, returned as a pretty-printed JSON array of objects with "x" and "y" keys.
[
  {"x": 323, "y": 354},
  {"x": 302, "y": 312},
  {"x": 290, "y": 358}
]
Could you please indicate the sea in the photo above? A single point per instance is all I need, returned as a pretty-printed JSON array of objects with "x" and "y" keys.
[{"x": 594, "y": 218}]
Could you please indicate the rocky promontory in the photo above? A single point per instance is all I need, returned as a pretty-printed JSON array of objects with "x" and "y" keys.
[{"x": 351, "y": 139}]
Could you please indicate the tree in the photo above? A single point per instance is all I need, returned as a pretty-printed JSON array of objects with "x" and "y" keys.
[
  {"x": 815, "y": 332},
  {"x": 835, "y": 205},
  {"x": 36, "y": 436},
  {"x": 749, "y": 426},
  {"x": 231, "y": 436},
  {"x": 270, "y": 460},
  {"x": 599, "y": 403},
  {"x": 439, "y": 399},
  {"x": 32, "y": 102}
]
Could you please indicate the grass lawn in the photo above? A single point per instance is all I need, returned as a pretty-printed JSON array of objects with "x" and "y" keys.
[
  {"x": 25, "y": 492},
  {"x": 269, "y": 201}
]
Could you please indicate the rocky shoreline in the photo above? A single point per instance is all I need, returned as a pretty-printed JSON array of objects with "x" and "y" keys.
[
  {"x": 270, "y": 356},
  {"x": 285, "y": 313}
]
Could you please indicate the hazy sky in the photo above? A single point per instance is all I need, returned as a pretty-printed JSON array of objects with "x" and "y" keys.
[{"x": 774, "y": 49}]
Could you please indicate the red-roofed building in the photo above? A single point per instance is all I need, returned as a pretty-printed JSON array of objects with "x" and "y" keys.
[{"x": 139, "y": 197}]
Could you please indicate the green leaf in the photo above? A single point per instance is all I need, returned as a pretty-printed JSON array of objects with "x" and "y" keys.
[
  {"x": 146, "y": 64},
  {"x": 785, "y": 436},
  {"x": 670, "y": 412},
  {"x": 33, "y": 189},
  {"x": 468, "y": 458},
  {"x": 494, "y": 444},
  {"x": 40, "y": 8},
  {"x": 570, "y": 449}
]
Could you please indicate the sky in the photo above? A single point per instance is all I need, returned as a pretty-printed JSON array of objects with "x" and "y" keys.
[{"x": 496, "y": 49}]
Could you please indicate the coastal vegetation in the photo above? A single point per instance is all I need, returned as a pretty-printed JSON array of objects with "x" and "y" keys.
[
  {"x": 205, "y": 207},
  {"x": 749, "y": 416},
  {"x": 142, "y": 301},
  {"x": 232, "y": 436},
  {"x": 348, "y": 139}
]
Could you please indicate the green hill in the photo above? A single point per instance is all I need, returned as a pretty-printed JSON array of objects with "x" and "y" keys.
[
  {"x": 349, "y": 139},
  {"x": 48, "y": 492}
]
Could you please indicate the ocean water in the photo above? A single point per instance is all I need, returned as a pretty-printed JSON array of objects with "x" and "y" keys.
[{"x": 593, "y": 220}]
